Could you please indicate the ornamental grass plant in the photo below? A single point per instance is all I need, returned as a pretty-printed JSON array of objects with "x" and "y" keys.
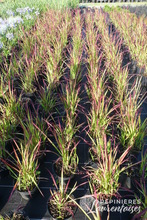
[
  {"x": 48, "y": 100},
  {"x": 61, "y": 203},
  {"x": 104, "y": 179},
  {"x": 11, "y": 108},
  {"x": 28, "y": 78},
  {"x": 133, "y": 31},
  {"x": 96, "y": 76},
  {"x": 100, "y": 117},
  {"x": 70, "y": 98},
  {"x": 55, "y": 31},
  {"x": 65, "y": 133},
  {"x": 76, "y": 48},
  {"x": 111, "y": 45},
  {"x": 132, "y": 130},
  {"x": 96, "y": 86},
  {"x": 31, "y": 134},
  {"x": 65, "y": 144},
  {"x": 24, "y": 167},
  {"x": 9, "y": 70},
  {"x": 66, "y": 147},
  {"x": 31, "y": 62},
  {"x": 92, "y": 46}
]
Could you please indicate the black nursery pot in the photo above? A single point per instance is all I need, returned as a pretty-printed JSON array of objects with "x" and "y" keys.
[
  {"x": 58, "y": 171},
  {"x": 56, "y": 218},
  {"x": 26, "y": 195}
]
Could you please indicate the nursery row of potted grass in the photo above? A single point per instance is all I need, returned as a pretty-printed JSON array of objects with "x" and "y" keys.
[
  {"x": 133, "y": 31},
  {"x": 62, "y": 203},
  {"x": 42, "y": 48},
  {"x": 33, "y": 71},
  {"x": 20, "y": 75},
  {"x": 38, "y": 68},
  {"x": 130, "y": 132},
  {"x": 128, "y": 98},
  {"x": 102, "y": 184},
  {"x": 65, "y": 133},
  {"x": 99, "y": 117}
]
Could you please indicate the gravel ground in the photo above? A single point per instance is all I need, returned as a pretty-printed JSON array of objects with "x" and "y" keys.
[
  {"x": 133, "y": 7},
  {"x": 138, "y": 10}
]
